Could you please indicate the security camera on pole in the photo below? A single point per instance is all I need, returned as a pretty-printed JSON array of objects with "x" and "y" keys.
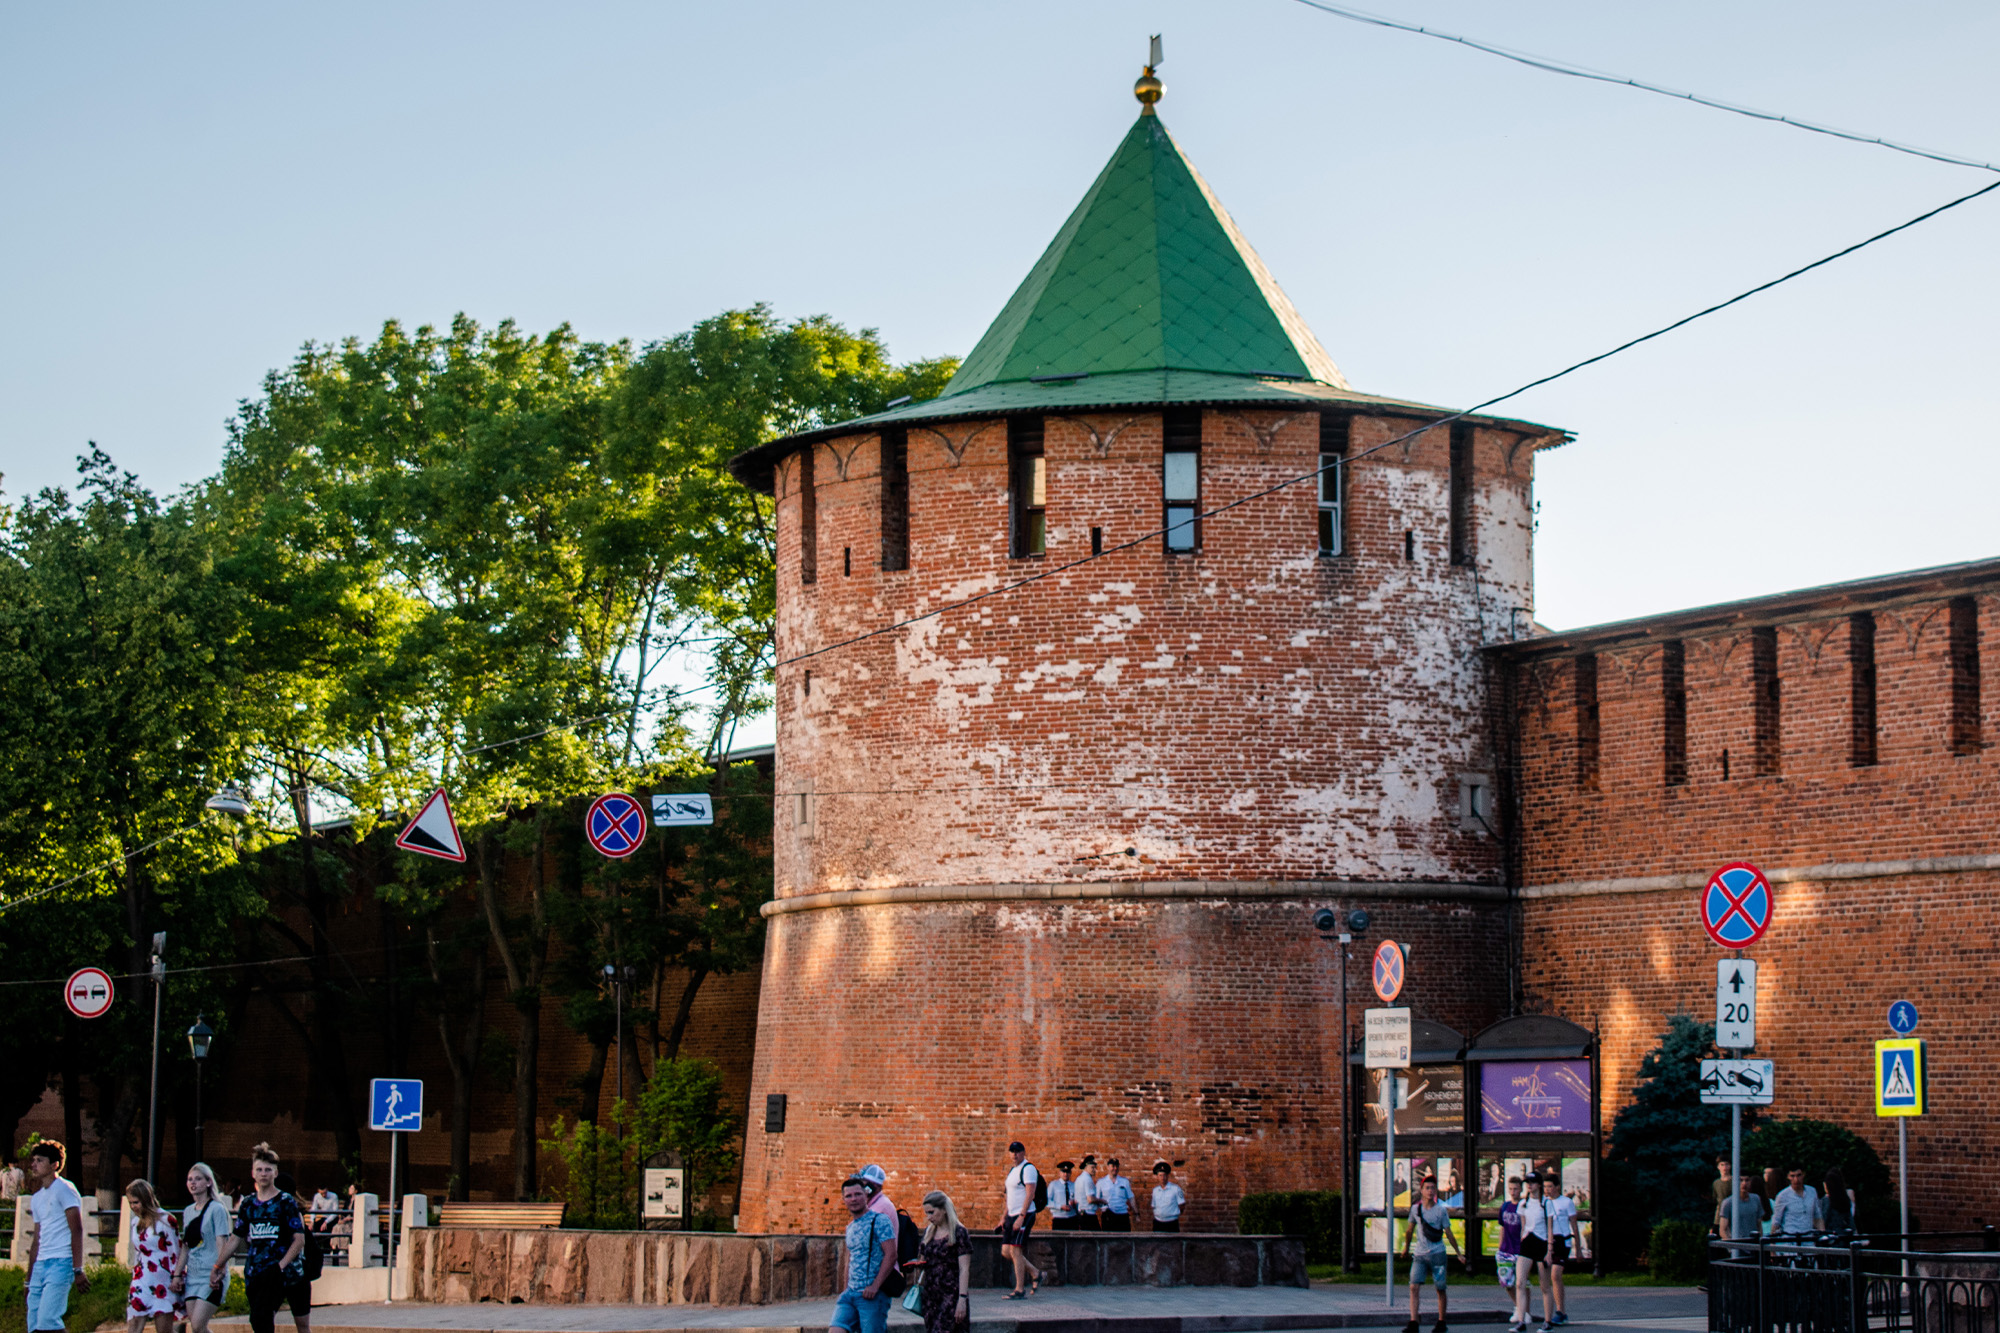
[
  {"x": 1386, "y": 1045},
  {"x": 1736, "y": 911}
]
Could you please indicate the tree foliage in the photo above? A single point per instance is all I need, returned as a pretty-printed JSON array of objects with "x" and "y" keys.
[{"x": 1665, "y": 1135}]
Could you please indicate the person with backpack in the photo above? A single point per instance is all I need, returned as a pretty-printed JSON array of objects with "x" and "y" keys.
[
  {"x": 268, "y": 1222},
  {"x": 1026, "y": 1194},
  {"x": 203, "y": 1225},
  {"x": 871, "y": 1261}
]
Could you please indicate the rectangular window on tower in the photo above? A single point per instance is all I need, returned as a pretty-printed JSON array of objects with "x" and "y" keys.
[
  {"x": 1861, "y": 687},
  {"x": 1180, "y": 478},
  {"x": 1333, "y": 429},
  {"x": 1765, "y": 696},
  {"x": 1461, "y": 493},
  {"x": 1029, "y": 486},
  {"x": 808, "y": 519},
  {"x": 1674, "y": 710},
  {"x": 1964, "y": 676},
  {"x": 895, "y": 498},
  {"x": 1587, "y": 731}
]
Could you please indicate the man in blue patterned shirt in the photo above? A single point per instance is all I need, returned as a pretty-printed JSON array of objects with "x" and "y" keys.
[{"x": 871, "y": 1257}]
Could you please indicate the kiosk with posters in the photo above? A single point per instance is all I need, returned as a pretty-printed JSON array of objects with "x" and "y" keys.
[
  {"x": 1430, "y": 1132},
  {"x": 1535, "y": 1109}
]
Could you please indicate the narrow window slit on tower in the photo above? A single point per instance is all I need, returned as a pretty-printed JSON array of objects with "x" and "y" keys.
[
  {"x": 808, "y": 519},
  {"x": 1409, "y": 545},
  {"x": 1333, "y": 436},
  {"x": 1587, "y": 734},
  {"x": 1180, "y": 477},
  {"x": 809, "y": 682},
  {"x": 895, "y": 498},
  {"x": 1964, "y": 648},
  {"x": 1861, "y": 687},
  {"x": 1097, "y": 541},
  {"x": 1674, "y": 711},
  {"x": 1461, "y": 493},
  {"x": 1765, "y": 695},
  {"x": 1029, "y": 487},
  {"x": 847, "y": 561}
]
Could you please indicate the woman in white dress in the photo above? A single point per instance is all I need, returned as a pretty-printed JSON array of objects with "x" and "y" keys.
[
  {"x": 156, "y": 1249},
  {"x": 203, "y": 1225}
]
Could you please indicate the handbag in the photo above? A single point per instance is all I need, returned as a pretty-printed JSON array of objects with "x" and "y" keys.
[{"x": 913, "y": 1299}]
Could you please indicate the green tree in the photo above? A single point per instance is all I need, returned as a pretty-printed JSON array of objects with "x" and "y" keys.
[
  {"x": 1664, "y": 1134},
  {"x": 681, "y": 1110}
]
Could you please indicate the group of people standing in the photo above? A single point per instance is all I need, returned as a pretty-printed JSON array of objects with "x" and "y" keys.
[
  {"x": 883, "y": 1261},
  {"x": 180, "y": 1263},
  {"x": 1761, "y": 1206},
  {"x": 1537, "y": 1233}
]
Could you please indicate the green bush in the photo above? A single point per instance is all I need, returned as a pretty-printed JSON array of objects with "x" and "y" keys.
[
  {"x": 104, "y": 1303},
  {"x": 1677, "y": 1251},
  {"x": 1815, "y": 1145},
  {"x": 1666, "y": 1135},
  {"x": 1312, "y": 1214}
]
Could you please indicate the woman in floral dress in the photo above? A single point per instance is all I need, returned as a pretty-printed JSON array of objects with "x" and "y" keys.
[
  {"x": 156, "y": 1247},
  {"x": 947, "y": 1270}
]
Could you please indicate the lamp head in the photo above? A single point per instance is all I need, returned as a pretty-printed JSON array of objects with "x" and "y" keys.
[
  {"x": 1357, "y": 920},
  {"x": 1325, "y": 922},
  {"x": 229, "y": 801},
  {"x": 199, "y": 1037}
]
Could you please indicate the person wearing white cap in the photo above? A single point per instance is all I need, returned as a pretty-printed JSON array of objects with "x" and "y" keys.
[{"x": 878, "y": 1198}]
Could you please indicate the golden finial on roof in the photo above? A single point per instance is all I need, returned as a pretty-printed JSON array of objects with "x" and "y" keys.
[{"x": 1149, "y": 89}]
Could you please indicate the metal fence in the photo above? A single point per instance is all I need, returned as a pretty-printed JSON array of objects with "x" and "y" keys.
[{"x": 1936, "y": 1282}]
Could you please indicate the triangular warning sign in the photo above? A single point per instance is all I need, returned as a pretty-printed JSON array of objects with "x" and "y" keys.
[
  {"x": 1897, "y": 1086},
  {"x": 434, "y": 832}
]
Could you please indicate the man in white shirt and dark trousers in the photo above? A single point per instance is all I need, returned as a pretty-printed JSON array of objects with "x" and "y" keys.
[
  {"x": 1062, "y": 1198},
  {"x": 1168, "y": 1199},
  {"x": 1114, "y": 1192},
  {"x": 1560, "y": 1210},
  {"x": 1021, "y": 1180},
  {"x": 1087, "y": 1202}
]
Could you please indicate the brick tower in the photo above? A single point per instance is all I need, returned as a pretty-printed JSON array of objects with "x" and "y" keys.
[{"x": 1047, "y": 862}]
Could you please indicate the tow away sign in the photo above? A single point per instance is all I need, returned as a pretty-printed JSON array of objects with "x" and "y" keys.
[{"x": 1736, "y": 1082}]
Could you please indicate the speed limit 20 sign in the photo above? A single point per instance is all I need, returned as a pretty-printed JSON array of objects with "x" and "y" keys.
[
  {"x": 89, "y": 992},
  {"x": 1736, "y": 1004}
]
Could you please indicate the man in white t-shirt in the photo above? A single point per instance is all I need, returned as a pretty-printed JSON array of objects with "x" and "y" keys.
[
  {"x": 1020, "y": 1190},
  {"x": 55, "y": 1256},
  {"x": 1560, "y": 1209},
  {"x": 1168, "y": 1199}
]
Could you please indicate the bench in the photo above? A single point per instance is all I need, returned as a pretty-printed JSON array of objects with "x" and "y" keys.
[{"x": 511, "y": 1216}]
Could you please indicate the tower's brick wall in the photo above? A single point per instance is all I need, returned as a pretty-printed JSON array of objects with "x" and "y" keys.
[
  {"x": 1252, "y": 714},
  {"x": 1844, "y": 943}
]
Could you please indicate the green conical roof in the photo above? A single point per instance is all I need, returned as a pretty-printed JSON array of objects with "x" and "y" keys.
[{"x": 1149, "y": 273}]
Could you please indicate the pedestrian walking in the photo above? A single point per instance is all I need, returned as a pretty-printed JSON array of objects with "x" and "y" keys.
[
  {"x": 1020, "y": 1222},
  {"x": 1114, "y": 1192},
  {"x": 1062, "y": 1198},
  {"x": 1743, "y": 1219},
  {"x": 1087, "y": 1202},
  {"x": 1561, "y": 1211},
  {"x": 55, "y": 1255},
  {"x": 269, "y": 1226},
  {"x": 1773, "y": 1181},
  {"x": 1795, "y": 1212},
  {"x": 1168, "y": 1198},
  {"x": 203, "y": 1225},
  {"x": 1534, "y": 1253},
  {"x": 1424, "y": 1242},
  {"x": 1507, "y": 1262},
  {"x": 946, "y": 1252},
  {"x": 871, "y": 1257},
  {"x": 1723, "y": 1187},
  {"x": 309, "y": 1261},
  {"x": 156, "y": 1253},
  {"x": 1836, "y": 1205},
  {"x": 878, "y": 1197}
]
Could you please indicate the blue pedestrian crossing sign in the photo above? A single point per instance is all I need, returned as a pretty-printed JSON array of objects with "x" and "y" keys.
[
  {"x": 1899, "y": 1076},
  {"x": 1902, "y": 1018},
  {"x": 396, "y": 1105}
]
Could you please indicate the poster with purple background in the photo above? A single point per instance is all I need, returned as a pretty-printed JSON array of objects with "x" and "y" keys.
[{"x": 1535, "y": 1097}]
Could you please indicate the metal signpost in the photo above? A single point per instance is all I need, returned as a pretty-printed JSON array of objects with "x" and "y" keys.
[
  {"x": 1899, "y": 1092},
  {"x": 1385, "y": 1044},
  {"x": 395, "y": 1106},
  {"x": 1735, "y": 911}
]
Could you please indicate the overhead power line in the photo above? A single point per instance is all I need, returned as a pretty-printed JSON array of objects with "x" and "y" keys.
[
  {"x": 1554, "y": 66},
  {"x": 1625, "y": 346}
]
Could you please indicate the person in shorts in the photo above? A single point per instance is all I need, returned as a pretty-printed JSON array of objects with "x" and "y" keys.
[
  {"x": 1534, "y": 1253},
  {"x": 1507, "y": 1262},
  {"x": 871, "y": 1257},
  {"x": 1424, "y": 1242},
  {"x": 1020, "y": 1221},
  {"x": 1561, "y": 1211},
  {"x": 268, "y": 1223}
]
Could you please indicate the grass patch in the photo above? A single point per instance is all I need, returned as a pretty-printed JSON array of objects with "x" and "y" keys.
[
  {"x": 104, "y": 1303},
  {"x": 1370, "y": 1274}
]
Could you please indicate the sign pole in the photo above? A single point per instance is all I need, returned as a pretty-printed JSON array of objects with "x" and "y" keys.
[
  {"x": 390, "y": 1248},
  {"x": 1389, "y": 1188},
  {"x": 1735, "y": 1160},
  {"x": 1903, "y": 1178}
]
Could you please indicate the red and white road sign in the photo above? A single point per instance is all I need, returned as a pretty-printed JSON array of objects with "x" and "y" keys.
[
  {"x": 434, "y": 832},
  {"x": 89, "y": 992},
  {"x": 1389, "y": 969}
]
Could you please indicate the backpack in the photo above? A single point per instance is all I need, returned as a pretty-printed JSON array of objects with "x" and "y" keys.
[
  {"x": 312, "y": 1258},
  {"x": 894, "y": 1283},
  {"x": 1041, "y": 1189}
]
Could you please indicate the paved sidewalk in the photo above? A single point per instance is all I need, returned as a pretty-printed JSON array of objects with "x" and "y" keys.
[{"x": 1054, "y": 1310}]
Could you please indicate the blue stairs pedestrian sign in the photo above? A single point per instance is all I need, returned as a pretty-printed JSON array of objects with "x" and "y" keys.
[{"x": 396, "y": 1105}]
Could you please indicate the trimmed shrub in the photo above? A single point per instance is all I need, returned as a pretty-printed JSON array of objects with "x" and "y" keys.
[
  {"x": 1677, "y": 1252},
  {"x": 1815, "y": 1145},
  {"x": 1311, "y": 1214}
]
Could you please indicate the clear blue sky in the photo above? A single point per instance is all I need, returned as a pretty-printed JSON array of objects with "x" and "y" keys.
[{"x": 194, "y": 191}]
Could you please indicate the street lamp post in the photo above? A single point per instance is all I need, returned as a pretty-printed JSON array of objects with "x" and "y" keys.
[
  {"x": 1328, "y": 924},
  {"x": 159, "y": 978},
  {"x": 199, "y": 1037}
]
